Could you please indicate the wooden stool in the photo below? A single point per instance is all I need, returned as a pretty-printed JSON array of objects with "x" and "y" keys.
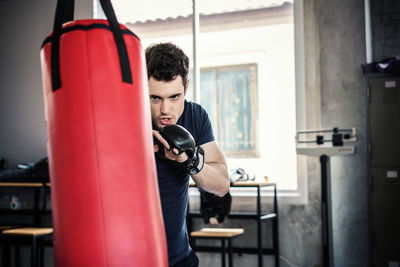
[
  {"x": 222, "y": 234},
  {"x": 29, "y": 235},
  {"x": 5, "y": 250}
]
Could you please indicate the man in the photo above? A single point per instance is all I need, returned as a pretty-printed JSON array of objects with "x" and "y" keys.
[{"x": 167, "y": 68}]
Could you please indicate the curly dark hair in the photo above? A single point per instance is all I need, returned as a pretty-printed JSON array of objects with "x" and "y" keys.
[{"x": 165, "y": 61}]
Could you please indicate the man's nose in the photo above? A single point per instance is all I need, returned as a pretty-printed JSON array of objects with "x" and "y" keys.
[{"x": 165, "y": 107}]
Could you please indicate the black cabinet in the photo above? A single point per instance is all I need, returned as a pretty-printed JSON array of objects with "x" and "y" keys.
[{"x": 383, "y": 121}]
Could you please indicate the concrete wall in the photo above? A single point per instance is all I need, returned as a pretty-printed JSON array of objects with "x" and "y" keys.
[
  {"x": 334, "y": 50},
  {"x": 23, "y": 26},
  {"x": 342, "y": 43}
]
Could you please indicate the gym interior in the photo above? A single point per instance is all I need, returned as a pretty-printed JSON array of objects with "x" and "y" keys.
[{"x": 304, "y": 103}]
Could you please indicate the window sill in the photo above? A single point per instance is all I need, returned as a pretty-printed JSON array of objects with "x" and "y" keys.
[{"x": 247, "y": 194}]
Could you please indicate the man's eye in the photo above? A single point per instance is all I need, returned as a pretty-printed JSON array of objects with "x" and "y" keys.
[
  {"x": 154, "y": 98},
  {"x": 174, "y": 97}
]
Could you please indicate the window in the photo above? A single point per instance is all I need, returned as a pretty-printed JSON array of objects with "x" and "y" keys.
[
  {"x": 229, "y": 94},
  {"x": 246, "y": 54}
]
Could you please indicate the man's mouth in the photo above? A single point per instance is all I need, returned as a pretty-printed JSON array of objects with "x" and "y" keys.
[{"x": 165, "y": 121}]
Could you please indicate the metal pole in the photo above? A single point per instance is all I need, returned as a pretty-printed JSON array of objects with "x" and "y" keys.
[
  {"x": 230, "y": 261},
  {"x": 368, "y": 31},
  {"x": 259, "y": 229},
  {"x": 36, "y": 210},
  {"x": 325, "y": 216},
  {"x": 196, "y": 66},
  {"x": 275, "y": 224},
  {"x": 223, "y": 252}
]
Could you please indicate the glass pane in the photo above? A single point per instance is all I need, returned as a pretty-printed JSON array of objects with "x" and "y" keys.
[{"x": 234, "y": 108}]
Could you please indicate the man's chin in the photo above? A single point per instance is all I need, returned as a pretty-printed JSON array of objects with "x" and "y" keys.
[{"x": 155, "y": 126}]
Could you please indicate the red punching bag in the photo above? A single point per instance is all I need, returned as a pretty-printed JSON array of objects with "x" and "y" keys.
[{"x": 105, "y": 198}]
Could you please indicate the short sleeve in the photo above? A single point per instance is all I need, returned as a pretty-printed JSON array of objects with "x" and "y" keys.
[
  {"x": 206, "y": 133},
  {"x": 195, "y": 119}
]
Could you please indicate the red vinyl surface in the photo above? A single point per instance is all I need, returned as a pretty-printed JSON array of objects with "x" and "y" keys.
[{"x": 105, "y": 198}]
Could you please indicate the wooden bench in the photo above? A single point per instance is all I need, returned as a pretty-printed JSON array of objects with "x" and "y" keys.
[
  {"x": 27, "y": 236},
  {"x": 222, "y": 234}
]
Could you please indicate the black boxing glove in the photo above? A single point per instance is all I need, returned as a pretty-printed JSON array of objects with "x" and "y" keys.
[{"x": 179, "y": 138}]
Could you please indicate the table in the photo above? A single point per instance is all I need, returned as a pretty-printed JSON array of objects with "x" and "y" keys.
[
  {"x": 257, "y": 215},
  {"x": 40, "y": 190}
]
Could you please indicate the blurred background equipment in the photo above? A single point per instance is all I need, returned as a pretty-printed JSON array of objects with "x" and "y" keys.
[{"x": 320, "y": 148}]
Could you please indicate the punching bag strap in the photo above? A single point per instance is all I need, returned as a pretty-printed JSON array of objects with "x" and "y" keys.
[
  {"x": 64, "y": 13},
  {"x": 119, "y": 40},
  {"x": 68, "y": 11}
]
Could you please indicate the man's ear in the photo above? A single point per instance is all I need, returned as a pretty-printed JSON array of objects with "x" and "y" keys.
[{"x": 186, "y": 87}]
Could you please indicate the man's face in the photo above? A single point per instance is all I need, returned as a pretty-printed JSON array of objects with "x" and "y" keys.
[{"x": 166, "y": 101}]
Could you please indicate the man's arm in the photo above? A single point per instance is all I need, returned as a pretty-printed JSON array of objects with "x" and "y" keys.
[{"x": 213, "y": 177}]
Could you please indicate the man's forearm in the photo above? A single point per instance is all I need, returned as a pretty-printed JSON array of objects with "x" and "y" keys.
[{"x": 213, "y": 178}]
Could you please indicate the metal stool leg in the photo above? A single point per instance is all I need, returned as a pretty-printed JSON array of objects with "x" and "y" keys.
[
  {"x": 16, "y": 255},
  {"x": 6, "y": 252},
  {"x": 33, "y": 252},
  {"x": 223, "y": 252},
  {"x": 230, "y": 261},
  {"x": 41, "y": 253}
]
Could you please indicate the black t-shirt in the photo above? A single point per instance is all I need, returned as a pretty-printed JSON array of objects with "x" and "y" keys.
[{"x": 173, "y": 183}]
